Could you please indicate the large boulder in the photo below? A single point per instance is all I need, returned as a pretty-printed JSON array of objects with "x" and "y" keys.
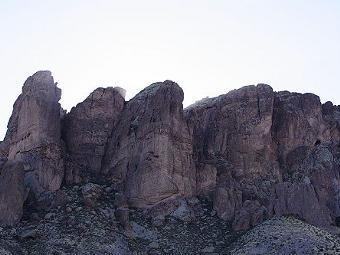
[
  {"x": 12, "y": 193},
  {"x": 33, "y": 135},
  {"x": 150, "y": 151},
  {"x": 86, "y": 130}
]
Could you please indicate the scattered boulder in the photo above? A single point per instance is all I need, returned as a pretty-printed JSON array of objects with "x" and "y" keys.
[
  {"x": 208, "y": 249},
  {"x": 183, "y": 212},
  {"x": 141, "y": 232},
  {"x": 28, "y": 233},
  {"x": 91, "y": 193}
]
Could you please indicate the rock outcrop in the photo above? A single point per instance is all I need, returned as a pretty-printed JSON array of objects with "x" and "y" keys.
[
  {"x": 86, "y": 130},
  {"x": 275, "y": 154},
  {"x": 150, "y": 152},
  {"x": 33, "y": 135},
  {"x": 32, "y": 148}
]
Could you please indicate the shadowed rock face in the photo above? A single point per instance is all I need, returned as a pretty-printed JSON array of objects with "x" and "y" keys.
[
  {"x": 150, "y": 152},
  {"x": 87, "y": 129}
]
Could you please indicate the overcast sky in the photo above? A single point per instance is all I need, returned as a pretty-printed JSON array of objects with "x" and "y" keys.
[{"x": 208, "y": 47}]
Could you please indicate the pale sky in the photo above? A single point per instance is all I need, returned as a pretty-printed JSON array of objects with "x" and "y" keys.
[{"x": 208, "y": 47}]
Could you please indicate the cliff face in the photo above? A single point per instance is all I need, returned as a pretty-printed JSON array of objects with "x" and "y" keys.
[
  {"x": 150, "y": 151},
  {"x": 256, "y": 152},
  {"x": 275, "y": 154}
]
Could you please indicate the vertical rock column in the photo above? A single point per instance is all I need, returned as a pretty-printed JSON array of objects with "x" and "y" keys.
[{"x": 33, "y": 135}]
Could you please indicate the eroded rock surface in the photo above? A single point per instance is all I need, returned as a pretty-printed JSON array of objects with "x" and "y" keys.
[
  {"x": 275, "y": 154},
  {"x": 150, "y": 152},
  {"x": 232, "y": 133},
  {"x": 87, "y": 129},
  {"x": 33, "y": 135}
]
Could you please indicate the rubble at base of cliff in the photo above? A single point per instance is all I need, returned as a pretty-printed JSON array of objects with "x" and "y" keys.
[
  {"x": 287, "y": 235},
  {"x": 190, "y": 227}
]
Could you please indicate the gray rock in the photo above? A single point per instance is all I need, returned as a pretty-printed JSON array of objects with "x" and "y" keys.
[
  {"x": 49, "y": 216},
  {"x": 91, "y": 193},
  {"x": 183, "y": 212},
  {"x": 154, "y": 245},
  {"x": 158, "y": 221},
  {"x": 208, "y": 249},
  {"x": 139, "y": 231},
  {"x": 29, "y": 233}
]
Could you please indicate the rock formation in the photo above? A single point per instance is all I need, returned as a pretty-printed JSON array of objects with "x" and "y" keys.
[
  {"x": 32, "y": 141},
  {"x": 275, "y": 154},
  {"x": 256, "y": 152},
  {"x": 33, "y": 135},
  {"x": 232, "y": 134},
  {"x": 150, "y": 151},
  {"x": 87, "y": 129}
]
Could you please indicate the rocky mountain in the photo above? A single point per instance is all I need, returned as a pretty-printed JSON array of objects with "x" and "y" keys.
[{"x": 254, "y": 154}]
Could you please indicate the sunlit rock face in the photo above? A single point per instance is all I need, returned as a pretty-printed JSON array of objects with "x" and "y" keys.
[
  {"x": 86, "y": 130},
  {"x": 150, "y": 152}
]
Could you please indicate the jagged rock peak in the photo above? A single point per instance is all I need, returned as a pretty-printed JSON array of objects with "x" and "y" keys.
[{"x": 42, "y": 82}]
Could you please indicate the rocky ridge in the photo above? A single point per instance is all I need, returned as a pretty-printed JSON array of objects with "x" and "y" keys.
[{"x": 254, "y": 153}]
